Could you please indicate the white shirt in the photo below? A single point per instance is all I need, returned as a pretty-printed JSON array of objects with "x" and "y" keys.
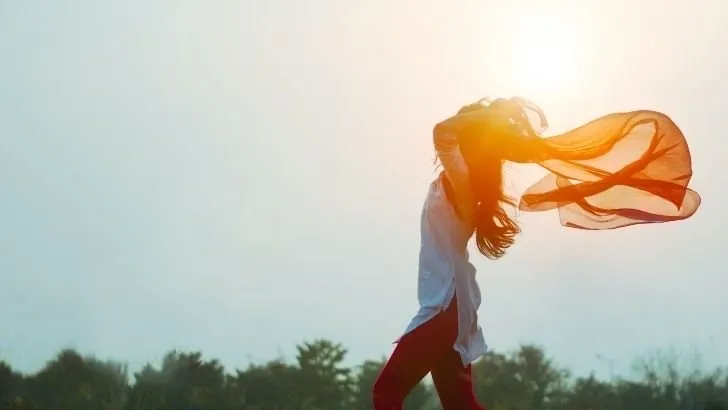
[{"x": 444, "y": 266}]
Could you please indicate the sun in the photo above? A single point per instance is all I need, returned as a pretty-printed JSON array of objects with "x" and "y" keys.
[{"x": 546, "y": 60}]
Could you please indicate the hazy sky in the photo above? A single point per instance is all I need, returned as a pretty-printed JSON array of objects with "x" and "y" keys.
[{"x": 241, "y": 176}]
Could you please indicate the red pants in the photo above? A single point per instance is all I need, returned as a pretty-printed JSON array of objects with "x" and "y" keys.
[{"x": 427, "y": 348}]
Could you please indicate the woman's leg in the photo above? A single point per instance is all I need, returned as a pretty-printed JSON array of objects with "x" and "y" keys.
[
  {"x": 454, "y": 383},
  {"x": 415, "y": 355}
]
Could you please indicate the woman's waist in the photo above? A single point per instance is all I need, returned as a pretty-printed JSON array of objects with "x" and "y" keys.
[
  {"x": 451, "y": 254},
  {"x": 445, "y": 266}
]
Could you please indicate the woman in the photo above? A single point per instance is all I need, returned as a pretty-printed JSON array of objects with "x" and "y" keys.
[{"x": 621, "y": 169}]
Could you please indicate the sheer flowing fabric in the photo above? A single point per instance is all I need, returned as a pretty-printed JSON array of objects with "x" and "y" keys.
[{"x": 619, "y": 170}]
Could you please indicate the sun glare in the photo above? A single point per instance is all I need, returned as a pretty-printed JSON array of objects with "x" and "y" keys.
[{"x": 546, "y": 60}]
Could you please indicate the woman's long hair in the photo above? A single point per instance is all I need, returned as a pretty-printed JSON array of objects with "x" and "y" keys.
[{"x": 495, "y": 230}]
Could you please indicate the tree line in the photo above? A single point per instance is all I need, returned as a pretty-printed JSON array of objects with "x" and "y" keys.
[{"x": 524, "y": 379}]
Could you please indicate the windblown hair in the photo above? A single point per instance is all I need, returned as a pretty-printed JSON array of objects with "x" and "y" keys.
[{"x": 495, "y": 230}]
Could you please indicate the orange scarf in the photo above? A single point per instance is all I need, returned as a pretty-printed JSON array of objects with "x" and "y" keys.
[{"x": 621, "y": 169}]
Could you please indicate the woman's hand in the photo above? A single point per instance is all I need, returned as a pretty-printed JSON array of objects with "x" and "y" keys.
[{"x": 476, "y": 106}]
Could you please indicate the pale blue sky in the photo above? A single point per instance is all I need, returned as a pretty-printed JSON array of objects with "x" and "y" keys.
[{"x": 240, "y": 176}]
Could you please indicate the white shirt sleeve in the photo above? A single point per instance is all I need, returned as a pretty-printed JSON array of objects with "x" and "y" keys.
[{"x": 446, "y": 146}]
